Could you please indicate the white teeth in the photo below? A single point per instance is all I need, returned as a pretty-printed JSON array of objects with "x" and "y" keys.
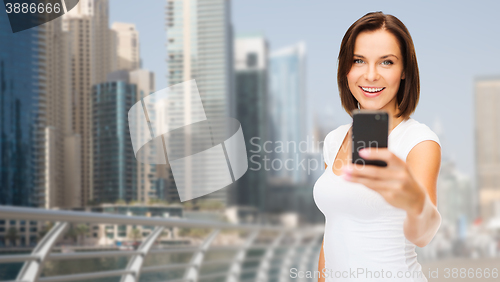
[{"x": 372, "y": 89}]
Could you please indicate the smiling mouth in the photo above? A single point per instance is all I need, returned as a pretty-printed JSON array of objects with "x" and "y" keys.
[{"x": 372, "y": 90}]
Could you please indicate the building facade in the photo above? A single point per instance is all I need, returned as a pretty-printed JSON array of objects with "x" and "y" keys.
[
  {"x": 149, "y": 180},
  {"x": 114, "y": 163},
  {"x": 199, "y": 47},
  {"x": 127, "y": 46},
  {"x": 22, "y": 105},
  {"x": 487, "y": 116},
  {"x": 59, "y": 185},
  {"x": 288, "y": 112},
  {"x": 454, "y": 196},
  {"x": 92, "y": 55},
  {"x": 250, "y": 105}
]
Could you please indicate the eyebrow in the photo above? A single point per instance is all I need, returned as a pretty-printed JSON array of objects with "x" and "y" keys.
[{"x": 383, "y": 57}]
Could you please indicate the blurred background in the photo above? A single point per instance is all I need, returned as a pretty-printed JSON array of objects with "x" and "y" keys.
[{"x": 66, "y": 87}]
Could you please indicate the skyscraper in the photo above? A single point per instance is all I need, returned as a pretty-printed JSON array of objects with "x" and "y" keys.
[
  {"x": 92, "y": 54},
  {"x": 59, "y": 183},
  {"x": 455, "y": 195},
  {"x": 200, "y": 47},
  {"x": 288, "y": 112},
  {"x": 21, "y": 92},
  {"x": 147, "y": 175},
  {"x": 50, "y": 162},
  {"x": 487, "y": 111},
  {"x": 128, "y": 58},
  {"x": 250, "y": 106},
  {"x": 127, "y": 46},
  {"x": 115, "y": 167},
  {"x": 117, "y": 172}
]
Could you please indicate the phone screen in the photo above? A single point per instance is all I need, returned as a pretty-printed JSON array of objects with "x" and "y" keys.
[{"x": 369, "y": 129}]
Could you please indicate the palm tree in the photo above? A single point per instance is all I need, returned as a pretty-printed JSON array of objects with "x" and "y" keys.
[
  {"x": 135, "y": 234},
  {"x": 120, "y": 202},
  {"x": 71, "y": 234},
  {"x": 82, "y": 230},
  {"x": 133, "y": 202}
]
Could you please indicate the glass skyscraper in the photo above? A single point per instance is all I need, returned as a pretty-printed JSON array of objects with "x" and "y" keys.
[
  {"x": 288, "y": 111},
  {"x": 20, "y": 91},
  {"x": 115, "y": 166},
  {"x": 250, "y": 104},
  {"x": 200, "y": 47}
]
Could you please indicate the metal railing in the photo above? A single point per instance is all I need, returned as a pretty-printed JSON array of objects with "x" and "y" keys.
[{"x": 266, "y": 253}]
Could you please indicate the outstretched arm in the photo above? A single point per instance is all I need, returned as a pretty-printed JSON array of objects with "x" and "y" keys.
[
  {"x": 424, "y": 161},
  {"x": 409, "y": 185}
]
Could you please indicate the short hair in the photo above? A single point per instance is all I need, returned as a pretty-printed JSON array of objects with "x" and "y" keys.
[{"x": 409, "y": 88}]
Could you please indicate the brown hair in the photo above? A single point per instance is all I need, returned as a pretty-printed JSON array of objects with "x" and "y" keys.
[{"x": 409, "y": 88}]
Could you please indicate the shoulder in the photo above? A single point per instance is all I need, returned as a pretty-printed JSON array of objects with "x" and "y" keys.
[
  {"x": 333, "y": 135},
  {"x": 417, "y": 131},
  {"x": 331, "y": 141},
  {"x": 413, "y": 134}
]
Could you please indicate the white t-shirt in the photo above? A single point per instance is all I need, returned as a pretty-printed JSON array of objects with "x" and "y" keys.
[{"x": 364, "y": 237}]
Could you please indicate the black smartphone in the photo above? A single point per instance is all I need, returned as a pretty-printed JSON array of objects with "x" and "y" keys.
[{"x": 370, "y": 128}]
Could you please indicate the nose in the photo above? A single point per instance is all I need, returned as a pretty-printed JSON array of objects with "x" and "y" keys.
[{"x": 371, "y": 73}]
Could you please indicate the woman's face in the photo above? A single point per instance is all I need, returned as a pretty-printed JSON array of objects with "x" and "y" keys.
[{"x": 377, "y": 70}]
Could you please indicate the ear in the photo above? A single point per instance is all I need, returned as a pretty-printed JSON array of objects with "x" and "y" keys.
[{"x": 403, "y": 75}]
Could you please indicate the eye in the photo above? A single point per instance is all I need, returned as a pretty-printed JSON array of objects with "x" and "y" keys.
[
  {"x": 356, "y": 61},
  {"x": 389, "y": 62}
]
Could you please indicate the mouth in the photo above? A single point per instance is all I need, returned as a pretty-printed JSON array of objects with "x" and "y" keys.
[{"x": 372, "y": 91}]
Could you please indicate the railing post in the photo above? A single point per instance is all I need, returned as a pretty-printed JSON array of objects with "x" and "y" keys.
[
  {"x": 285, "y": 269},
  {"x": 192, "y": 272},
  {"x": 135, "y": 263},
  {"x": 308, "y": 255},
  {"x": 235, "y": 269},
  {"x": 266, "y": 259},
  {"x": 31, "y": 270}
]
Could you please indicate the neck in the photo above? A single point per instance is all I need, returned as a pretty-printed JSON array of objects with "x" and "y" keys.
[{"x": 393, "y": 122}]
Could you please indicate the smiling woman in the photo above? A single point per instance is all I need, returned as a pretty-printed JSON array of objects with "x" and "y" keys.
[
  {"x": 376, "y": 216},
  {"x": 372, "y": 75},
  {"x": 375, "y": 47}
]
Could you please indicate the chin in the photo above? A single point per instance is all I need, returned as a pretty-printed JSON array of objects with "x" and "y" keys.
[{"x": 370, "y": 107}]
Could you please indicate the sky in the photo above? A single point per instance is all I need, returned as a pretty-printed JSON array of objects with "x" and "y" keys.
[{"x": 456, "y": 43}]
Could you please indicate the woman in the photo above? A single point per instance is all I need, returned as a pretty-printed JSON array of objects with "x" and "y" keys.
[{"x": 376, "y": 216}]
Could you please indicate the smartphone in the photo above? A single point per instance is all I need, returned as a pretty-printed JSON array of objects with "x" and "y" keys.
[{"x": 370, "y": 128}]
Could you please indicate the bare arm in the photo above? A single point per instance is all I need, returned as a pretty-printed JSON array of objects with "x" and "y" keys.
[{"x": 424, "y": 161}]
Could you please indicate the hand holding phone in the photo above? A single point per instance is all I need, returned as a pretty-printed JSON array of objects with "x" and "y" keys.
[{"x": 370, "y": 128}]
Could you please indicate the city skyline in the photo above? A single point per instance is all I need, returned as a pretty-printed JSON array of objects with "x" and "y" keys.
[
  {"x": 446, "y": 98},
  {"x": 439, "y": 123},
  {"x": 109, "y": 116}
]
